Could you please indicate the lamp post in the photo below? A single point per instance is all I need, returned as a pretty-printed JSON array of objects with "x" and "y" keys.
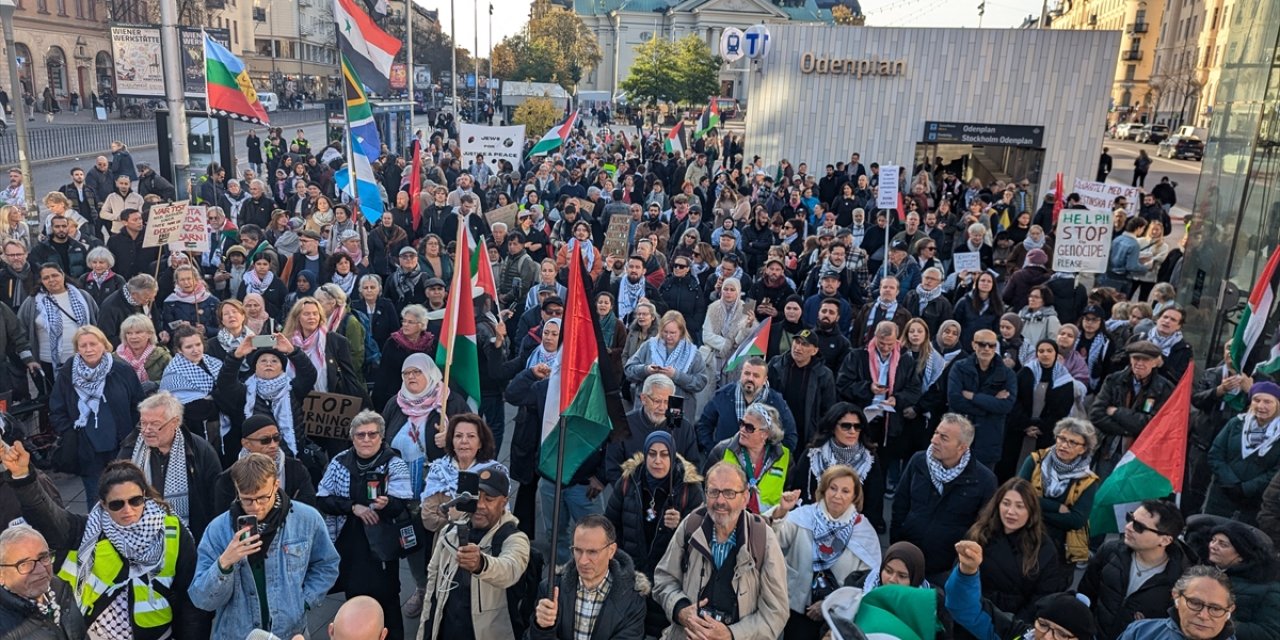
[{"x": 19, "y": 116}]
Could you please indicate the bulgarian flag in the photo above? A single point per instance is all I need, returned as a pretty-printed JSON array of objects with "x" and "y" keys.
[
  {"x": 228, "y": 86},
  {"x": 1152, "y": 468},
  {"x": 674, "y": 144},
  {"x": 756, "y": 344},
  {"x": 457, "y": 353},
  {"x": 555, "y": 138},
  {"x": 576, "y": 420},
  {"x": 709, "y": 119}
]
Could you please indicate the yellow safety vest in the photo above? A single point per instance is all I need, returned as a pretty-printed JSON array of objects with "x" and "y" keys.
[
  {"x": 769, "y": 487},
  {"x": 151, "y": 608},
  {"x": 1077, "y": 540}
]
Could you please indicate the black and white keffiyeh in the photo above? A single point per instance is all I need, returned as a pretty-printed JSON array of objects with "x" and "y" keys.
[
  {"x": 740, "y": 403},
  {"x": 337, "y": 482},
  {"x": 89, "y": 383},
  {"x": 253, "y": 283},
  {"x": 1165, "y": 343},
  {"x": 941, "y": 475},
  {"x": 829, "y": 454},
  {"x": 54, "y": 315},
  {"x": 276, "y": 393},
  {"x": 680, "y": 358},
  {"x": 141, "y": 544},
  {"x": 1058, "y": 475},
  {"x": 188, "y": 380},
  {"x": 175, "y": 490}
]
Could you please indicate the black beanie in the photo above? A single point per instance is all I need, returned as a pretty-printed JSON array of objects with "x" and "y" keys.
[
  {"x": 1066, "y": 611},
  {"x": 256, "y": 423}
]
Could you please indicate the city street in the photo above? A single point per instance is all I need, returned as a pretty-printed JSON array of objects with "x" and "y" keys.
[{"x": 1123, "y": 152}]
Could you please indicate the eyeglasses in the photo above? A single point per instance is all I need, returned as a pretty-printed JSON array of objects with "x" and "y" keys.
[
  {"x": 265, "y": 440},
  {"x": 1068, "y": 441},
  {"x": 135, "y": 502},
  {"x": 1197, "y": 605},
  {"x": 1139, "y": 527},
  {"x": 850, "y": 426},
  {"x": 747, "y": 427},
  {"x": 984, "y": 345},
  {"x": 266, "y": 499},
  {"x": 928, "y": 248},
  {"x": 154, "y": 426},
  {"x": 365, "y": 435},
  {"x": 1053, "y": 631},
  {"x": 25, "y": 567},
  {"x": 592, "y": 554},
  {"x": 727, "y": 494}
]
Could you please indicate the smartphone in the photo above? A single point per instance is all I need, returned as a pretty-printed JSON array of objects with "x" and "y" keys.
[
  {"x": 247, "y": 521},
  {"x": 468, "y": 482},
  {"x": 675, "y": 410},
  {"x": 263, "y": 342}
]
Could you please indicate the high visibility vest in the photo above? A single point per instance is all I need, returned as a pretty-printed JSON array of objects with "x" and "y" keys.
[
  {"x": 769, "y": 487},
  {"x": 150, "y": 598},
  {"x": 1077, "y": 542}
]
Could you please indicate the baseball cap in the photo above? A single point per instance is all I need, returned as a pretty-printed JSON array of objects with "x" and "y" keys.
[
  {"x": 495, "y": 483},
  {"x": 806, "y": 336}
]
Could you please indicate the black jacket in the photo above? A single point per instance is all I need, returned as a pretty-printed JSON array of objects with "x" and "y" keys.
[
  {"x": 934, "y": 522},
  {"x": 230, "y": 393},
  {"x": 203, "y": 468},
  {"x": 257, "y": 211},
  {"x": 1106, "y": 580},
  {"x": 619, "y": 452},
  {"x": 1004, "y": 583},
  {"x": 627, "y": 508},
  {"x": 1134, "y": 411},
  {"x": 155, "y": 183},
  {"x": 530, "y": 395},
  {"x": 684, "y": 294},
  {"x": 853, "y": 383},
  {"x": 76, "y": 262},
  {"x": 21, "y": 620},
  {"x": 297, "y": 483},
  {"x": 935, "y": 311},
  {"x": 620, "y": 618},
  {"x": 819, "y": 393}
]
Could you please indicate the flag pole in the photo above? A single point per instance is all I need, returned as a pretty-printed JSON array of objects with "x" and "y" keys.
[{"x": 555, "y": 509}]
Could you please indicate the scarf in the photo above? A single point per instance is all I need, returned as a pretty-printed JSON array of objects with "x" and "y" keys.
[
  {"x": 347, "y": 283},
  {"x": 925, "y": 296},
  {"x": 1058, "y": 475},
  {"x": 831, "y": 535},
  {"x": 1165, "y": 344},
  {"x": 941, "y": 475},
  {"x": 89, "y": 383},
  {"x": 54, "y": 316},
  {"x": 276, "y": 393},
  {"x": 322, "y": 218},
  {"x": 889, "y": 308},
  {"x": 740, "y": 403},
  {"x": 608, "y": 328},
  {"x": 229, "y": 342},
  {"x": 1029, "y": 244},
  {"x": 406, "y": 282},
  {"x": 679, "y": 358},
  {"x": 253, "y": 283},
  {"x": 337, "y": 481},
  {"x": 183, "y": 377},
  {"x": 829, "y": 454},
  {"x": 137, "y": 361},
  {"x": 334, "y": 321},
  {"x": 442, "y": 475},
  {"x": 542, "y": 356},
  {"x": 99, "y": 279},
  {"x": 195, "y": 297},
  {"x": 417, "y": 406},
  {"x": 873, "y": 359},
  {"x": 175, "y": 489},
  {"x": 730, "y": 315},
  {"x": 1097, "y": 349},
  {"x": 1258, "y": 438},
  {"x": 629, "y": 295},
  {"x": 269, "y": 526},
  {"x": 415, "y": 345},
  {"x": 314, "y": 346},
  {"x": 588, "y": 251},
  {"x": 140, "y": 544}
]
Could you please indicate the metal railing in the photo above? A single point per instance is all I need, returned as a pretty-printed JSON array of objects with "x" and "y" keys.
[{"x": 1131, "y": 55}]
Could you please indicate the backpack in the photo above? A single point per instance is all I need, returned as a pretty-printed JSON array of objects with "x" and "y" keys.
[
  {"x": 755, "y": 536},
  {"x": 522, "y": 597}
]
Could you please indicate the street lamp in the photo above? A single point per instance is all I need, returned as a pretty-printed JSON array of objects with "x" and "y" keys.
[{"x": 20, "y": 118}]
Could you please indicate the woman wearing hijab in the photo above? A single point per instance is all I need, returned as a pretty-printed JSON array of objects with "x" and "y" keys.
[
  {"x": 612, "y": 330},
  {"x": 90, "y": 428},
  {"x": 728, "y": 323},
  {"x": 673, "y": 353},
  {"x": 53, "y": 315},
  {"x": 305, "y": 285},
  {"x": 190, "y": 303},
  {"x": 412, "y": 337},
  {"x": 1244, "y": 457},
  {"x": 130, "y": 543},
  {"x": 828, "y": 543},
  {"x": 138, "y": 349},
  {"x": 947, "y": 342},
  {"x": 1046, "y": 394},
  {"x": 257, "y": 318},
  {"x": 282, "y": 376},
  {"x": 365, "y": 495},
  {"x": 1064, "y": 484},
  {"x": 413, "y": 413},
  {"x": 543, "y": 362}
]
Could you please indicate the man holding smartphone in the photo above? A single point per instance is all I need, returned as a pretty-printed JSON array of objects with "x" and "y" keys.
[{"x": 659, "y": 409}]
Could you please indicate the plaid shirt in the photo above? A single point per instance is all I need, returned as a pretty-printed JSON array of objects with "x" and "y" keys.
[{"x": 590, "y": 602}]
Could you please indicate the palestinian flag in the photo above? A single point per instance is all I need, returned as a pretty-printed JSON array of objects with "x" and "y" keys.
[
  {"x": 1253, "y": 321},
  {"x": 577, "y": 410},
  {"x": 709, "y": 119},
  {"x": 457, "y": 353},
  {"x": 1153, "y": 467},
  {"x": 482, "y": 270},
  {"x": 555, "y": 138},
  {"x": 756, "y": 344},
  {"x": 674, "y": 143},
  {"x": 228, "y": 86}
]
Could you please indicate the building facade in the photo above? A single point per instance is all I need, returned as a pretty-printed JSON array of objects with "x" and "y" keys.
[
  {"x": 1133, "y": 97},
  {"x": 294, "y": 47},
  {"x": 62, "y": 45}
]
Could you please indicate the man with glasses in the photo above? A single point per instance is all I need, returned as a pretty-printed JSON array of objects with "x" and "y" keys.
[
  {"x": 597, "y": 594},
  {"x": 1058, "y": 617},
  {"x": 17, "y": 277},
  {"x": 652, "y": 414},
  {"x": 723, "y": 576},
  {"x": 1204, "y": 603},
  {"x": 264, "y": 562},
  {"x": 261, "y": 434},
  {"x": 983, "y": 389},
  {"x": 33, "y": 602},
  {"x": 1134, "y": 578}
]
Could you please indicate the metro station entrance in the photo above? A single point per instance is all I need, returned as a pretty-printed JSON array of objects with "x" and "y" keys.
[{"x": 983, "y": 151}]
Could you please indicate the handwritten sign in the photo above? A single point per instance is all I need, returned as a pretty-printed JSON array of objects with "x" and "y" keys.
[
  {"x": 165, "y": 224},
  {"x": 617, "y": 235},
  {"x": 328, "y": 415},
  {"x": 504, "y": 214},
  {"x": 887, "y": 195},
  {"x": 1101, "y": 195},
  {"x": 1083, "y": 241},
  {"x": 967, "y": 261},
  {"x": 194, "y": 234}
]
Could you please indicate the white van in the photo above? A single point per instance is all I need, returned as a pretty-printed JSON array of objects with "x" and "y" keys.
[{"x": 269, "y": 100}]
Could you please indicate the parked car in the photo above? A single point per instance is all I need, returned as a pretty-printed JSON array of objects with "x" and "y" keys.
[
  {"x": 270, "y": 101},
  {"x": 1180, "y": 147},
  {"x": 1129, "y": 130},
  {"x": 1153, "y": 134}
]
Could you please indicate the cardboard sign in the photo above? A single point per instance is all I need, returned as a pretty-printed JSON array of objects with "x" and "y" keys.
[
  {"x": 1083, "y": 241},
  {"x": 1100, "y": 195},
  {"x": 194, "y": 233},
  {"x": 887, "y": 196},
  {"x": 328, "y": 415},
  {"x": 165, "y": 224},
  {"x": 966, "y": 261},
  {"x": 617, "y": 235},
  {"x": 505, "y": 214}
]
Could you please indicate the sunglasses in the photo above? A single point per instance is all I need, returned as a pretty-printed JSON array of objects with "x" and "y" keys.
[
  {"x": 984, "y": 345},
  {"x": 850, "y": 426},
  {"x": 747, "y": 427},
  {"x": 135, "y": 502},
  {"x": 682, "y": 265},
  {"x": 1139, "y": 527},
  {"x": 265, "y": 440}
]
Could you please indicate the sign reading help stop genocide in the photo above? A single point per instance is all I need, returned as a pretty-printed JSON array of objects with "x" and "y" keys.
[
  {"x": 193, "y": 235},
  {"x": 1083, "y": 241},
  {"x": 164, "y": 224}
]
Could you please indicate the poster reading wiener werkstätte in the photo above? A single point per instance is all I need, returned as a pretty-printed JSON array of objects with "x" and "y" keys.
[{"x": 139, "y": 67}]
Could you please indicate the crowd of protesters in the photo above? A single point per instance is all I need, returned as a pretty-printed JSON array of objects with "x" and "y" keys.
[{"x": 963, "y": 419}]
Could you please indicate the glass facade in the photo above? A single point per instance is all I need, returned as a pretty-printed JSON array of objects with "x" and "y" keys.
[{"x": 1234, "y": 223}]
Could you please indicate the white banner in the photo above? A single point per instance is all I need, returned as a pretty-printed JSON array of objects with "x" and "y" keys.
[
  {"x": 1100, "y": 195},
  {"x": 1082, "y": 241},
  {"x": 138, "y": 64},
  {"x": 194, "y": 233},
  {"x": 887, "y": 195},
  {"x": 164, "y": 224},
  {"x": 496, "y": 143}
]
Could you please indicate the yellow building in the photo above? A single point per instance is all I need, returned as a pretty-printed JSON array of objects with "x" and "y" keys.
[{"x": 1132, "y": 96}]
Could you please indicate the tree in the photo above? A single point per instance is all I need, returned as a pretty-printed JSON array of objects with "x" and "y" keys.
[
  {"x": 843, "y": 15},
  {"x": 529, "y": 60},
  {"x": 696, "y": 71},
  {"x": 650, "y": 79},
  {"x": 537, "y": 115},
  {"x": 684, "y": 72},
  {"x": 573, "y": 47},
  {"x": 504, "y": 60}
]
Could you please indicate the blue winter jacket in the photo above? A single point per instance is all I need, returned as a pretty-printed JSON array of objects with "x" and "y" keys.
[
  {"x": 719, "y": 419},
  {"x": 985, "y": 410},
  {"x": 1163, "y": 629}
]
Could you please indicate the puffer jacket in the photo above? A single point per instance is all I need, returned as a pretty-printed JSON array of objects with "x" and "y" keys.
[
  {"x": 19, "y": 619},
  {"x": 762, "y": 588},
  {"x": 1106, "y": 580},
  {"x": 1167, "y": 629},
  {"x": 622, "y": 615},
  {"x": 627, "y": 509},
  {"x": 1248, "y": 475}
]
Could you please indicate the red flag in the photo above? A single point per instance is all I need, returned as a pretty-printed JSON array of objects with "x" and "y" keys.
[
  {"x": 482, "y": 275},
  {"x": 415, "y": 185},
  {"x": 1058, "y": 199},
  {"x": 902, "y": 214}
]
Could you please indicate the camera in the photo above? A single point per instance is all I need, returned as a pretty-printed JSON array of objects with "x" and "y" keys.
[
  {"x": 675, "y": 411},
  {"x": 715, "y": 614},
  {"x": 465, "y": 500}
]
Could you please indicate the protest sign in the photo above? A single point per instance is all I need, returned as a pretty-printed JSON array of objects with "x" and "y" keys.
[
  {"x": 887, "y": 196},
  {"x": 1083, "y": 241},
  {"x": 194, "y": 233},
  {"x": 1100, "y": 195},
  {"x": 505, "y": 214},
  {"x": 967, "y": 261},
  {"x": 164, "y": 224},
  {"x": 496, "y": 143},
  {"x": 328, "y": 415},
  {"x": 617, "y": 235}
]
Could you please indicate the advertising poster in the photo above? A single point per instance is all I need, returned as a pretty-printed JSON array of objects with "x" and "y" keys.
[
  {"x": 399, "y": 76},
  {"x": 496, "y": 143},
  {"x": 191, "y": 41},
  {"x": 139, "y": 70}
]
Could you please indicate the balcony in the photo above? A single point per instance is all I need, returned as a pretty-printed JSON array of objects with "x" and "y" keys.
[
  {"x": 1136, "y": 27},
  {"x": 1133, "y": 55}
]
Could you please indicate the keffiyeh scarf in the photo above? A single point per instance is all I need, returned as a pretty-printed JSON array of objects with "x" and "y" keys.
[
  {"x": 137, "y": 361},
  {"x": 337, "y": 481},
  {"x": 740, "y": 403},
  {"x": 140, "y": 544},
  {"x": 406, "y": 281},
  {"x": 89, "y": 383},
  {"x": 416, "y": 407},
  {"x": 629, "y": 295},
  {"x": 99, "y": 278},
  {"x": 1165, "y": 344},
  {"x": 276, "y": 393},
  {"x": 1058, "y": 474},
  {"x": 941, "y": 475},
  {"x": 856, "y": 457},
  {"x": 54, "y": 315},
  {"x": 175, "y": 489},
  {"x": 188, "y": 380},
  {"x": 1257, "y": 439},
  {"x": 200, "y": 294},
  {"x": 831, "y": 535},
  {"x": 926, "y": 296},
  {"x": 347, "y": 283},
  {"x": 253, "y": 283},
  {"x": 679, "y": 358}
]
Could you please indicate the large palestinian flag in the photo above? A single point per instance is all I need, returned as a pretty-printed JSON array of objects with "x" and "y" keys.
[{"x": 458, "y": 355}]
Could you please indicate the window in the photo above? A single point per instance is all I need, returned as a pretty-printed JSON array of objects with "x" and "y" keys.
[
  {"x": 62, "y": 8},
  {"x": 93, "y": 9},
  {"x": 1130, "y": 71},
  {"x": 80, "y": 9},
  {"x": 42, "y": 6},
  {"x": 235, "y": 32}
]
